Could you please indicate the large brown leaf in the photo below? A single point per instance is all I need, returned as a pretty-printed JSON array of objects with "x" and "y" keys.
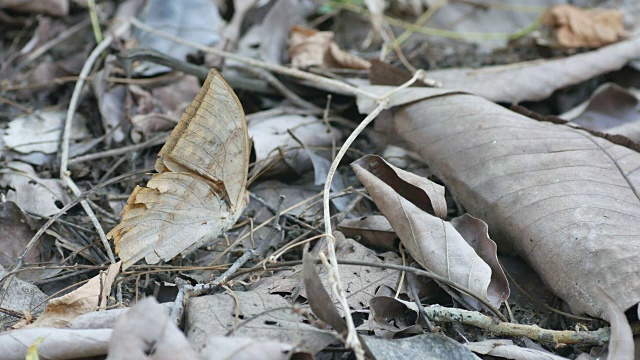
[
  {"x": 536, "y": 80},
  {"x": 200, "y": 188},
  {"x": 564, "y": 200},
  {"x": 415, "y": 206}
]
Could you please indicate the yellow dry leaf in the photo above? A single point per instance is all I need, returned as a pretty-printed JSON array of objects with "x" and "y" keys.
[
  {"x": 309, "y": 47},
  {"x": 89, "y": 297},
  {"x": 200, "y": 189},
  {"x": 591, "y": 28}
]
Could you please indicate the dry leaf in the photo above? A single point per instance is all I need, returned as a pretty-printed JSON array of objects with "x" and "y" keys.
[
  {"x": 575, "y": 27},
  {"x": 309, "y": 47},
  {"x": 409, "y": 202},
  {"x": 360, "y": 283},
  {"x": 57, "y": 343},
  {"x": 506, "y": 349},
  {"x": 564, "y": 200},
  {"x": 200, "y": 189},
  {"x": 32, "y": 194},
  {"x": 320, "y": 301},
  {"x": 611, "y": 109},
  {"x": 42, "y": 131},
  {"x": 272, "y": 136},
  {"x": 244, "y": 348},
  {"x": 424, "y": 347},
  {"x": 50, "y": 7},
  {"x": 538, "y": 79},
  {"x": 147, "y": 332},
  {"x": 91, "y": 296},
  {"x": 260, "y": 315},
  {"x": 375, "y": 231}
]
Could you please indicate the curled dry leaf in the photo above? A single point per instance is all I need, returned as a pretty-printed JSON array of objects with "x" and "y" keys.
[
  {"x": 310, "y": 47},
  {"x": 575, "y": 27},
  {"x": 147, "y": 332},
  {"x": 57, "y": 343},
  {"x": 566, "y": 201},
  {"x": 537, "y": 80},
  {"x": 611, "y": 109},
  {"x": 410, "y": 202},
  {"x": 44, "y": 197},
  {"x": 87, "y": 298},
  {"x": 200, "y": 188}
]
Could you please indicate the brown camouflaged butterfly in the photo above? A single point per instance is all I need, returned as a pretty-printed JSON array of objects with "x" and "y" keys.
[{"x": 200, "y": 189}]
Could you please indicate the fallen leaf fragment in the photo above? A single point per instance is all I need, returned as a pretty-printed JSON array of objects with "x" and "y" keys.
[
  {"x": 361, "y": 282},
  {"x": 592, "y": 28},
  {"x": 320, "y": 301},
  {"x": 42, "y": 131},
  {"x": 90, "y": 297},
  {"x": 147, "y": 332},
  {"x": 244, "y": 348},
  {"x": 44, "y": 197},
  {"x": 272, "y": 138},
  {"x": 57, "y": 343},
  {"x": 50, "y": 7},
  {"x": 409, "y": 202},
  {"x": 506, "y": 349},
  {"x": 260, "y": 315},
  {"x": 538, "y": 79},
  {"x": 611, "y": 109},
  {"x": 309, "y": 47},
  {"x": 200, "y": 189},
  {"x": 375, "y": 231},
  {"x": 564, "y": 200},
  {"x": 20, "y": 296},
  {"x": 424, "y": 346}
]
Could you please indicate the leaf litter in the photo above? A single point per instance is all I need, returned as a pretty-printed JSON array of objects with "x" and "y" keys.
[{"x": 559, "y": 197}]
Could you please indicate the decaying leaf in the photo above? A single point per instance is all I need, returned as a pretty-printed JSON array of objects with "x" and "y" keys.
[
  {"x": 309, "y": 47},
  {"x": 592, "y": 28},
  {"x": 361, "y": 283},
  {"x": 425, "y": 346},
  {"x": 410, "y": 203},
  {"x": 244, "y": 348},
  {"x": 566, "y": 201},
  {"x": 272, "y": 137},
  {"x": 200, "y": 188},
  {"x": 57, "y": 343},
  {"x": 507, "y": 350},
  {"x": 147, "y": 332},
  {"x": 44, "y": 197},
  {"x": 320, "y": 301},
  {"x": 42, "y": 131},
  {"x": 611, "y": 109},
  {"x": 536, "y": 80},
  {"x": 375, "y": 231},
  {"x": 255, "y": 314},
  {"x": 91, "y": 296}
]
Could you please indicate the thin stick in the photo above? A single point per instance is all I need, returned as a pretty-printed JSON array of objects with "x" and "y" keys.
[
  {"x": 253, "y": 62},
  {"x": 73, "y": 105},
  {"x": 352, "y": 338}
]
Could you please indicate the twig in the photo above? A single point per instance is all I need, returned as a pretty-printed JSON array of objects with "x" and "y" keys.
[
  {"x": 161, "y": 139},
  {"x": 253, "y": 62},
  {"x": 73, "y": 104},
  {"x": 279, "y": 86},
  {"x": 550, "y": 337},
  {"x": 352, "y": 340},
  {"x": 408, "y": 269},
  {"x": 8, "y": 278}
]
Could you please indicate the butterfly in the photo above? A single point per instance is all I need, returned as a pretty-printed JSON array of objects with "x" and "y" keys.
[{"x": 200, "y": 188}]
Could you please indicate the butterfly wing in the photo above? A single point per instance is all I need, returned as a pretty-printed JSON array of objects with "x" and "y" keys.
[
  {"x": 200, "y": 188},
  {"x": 211, "y": 140}
]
